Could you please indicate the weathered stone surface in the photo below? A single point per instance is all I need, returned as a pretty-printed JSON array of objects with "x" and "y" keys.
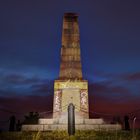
[
  {"x": 94, "y": 121},
  {"x": 53, "y": 127},
  {"x": 77, "y": 121},
  {"x": 70, "y": 67},
  {"x": 80, "y": 124},
  {"x": 47, "y": 121},
  {"x": 110, "y": 127},
  {"x": 32, "y": 127},
  {"x": 66, "y": 92}
]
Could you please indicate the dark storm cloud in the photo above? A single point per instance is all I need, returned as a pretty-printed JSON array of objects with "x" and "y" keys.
[
  {"x": 27, "y": 103},
  {"x": 43, "y": 88},
  {"x": 7, "y": 93},
  {"x": 133, "y": 77},
  {"x": 12, "y": 84},
  {"x": 111, "y": 99},
  {"x": 111, "y": 93},
  {"x": 117, "y": 88},
  {"x": 20, "y": 79}
]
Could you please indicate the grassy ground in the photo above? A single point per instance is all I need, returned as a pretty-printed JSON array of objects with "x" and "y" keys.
[{"x": 80, "y": 135}]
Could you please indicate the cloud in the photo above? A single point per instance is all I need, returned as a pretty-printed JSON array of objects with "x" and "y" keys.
[
  {"x": 23, "y": 105},
  {"x": 107, "y": 91},
  {"x": 15, "y": 84},
  {"x": 113, "y": 101},
  {"x": 6, "y": 93},
  {"x": 20, "y": 79},
  {"x": 132, "y": 77},
  {"x": 109, "y": 98},
  {"x": 43, "y": 88}
]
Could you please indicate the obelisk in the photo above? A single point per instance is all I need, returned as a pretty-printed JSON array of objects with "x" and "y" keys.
[
  {"x": 70, "y": 86},
  {"x": 70, "y": 67}
]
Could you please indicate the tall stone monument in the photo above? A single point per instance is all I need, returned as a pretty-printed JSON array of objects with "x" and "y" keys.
[{"x": 70, "y": 86}]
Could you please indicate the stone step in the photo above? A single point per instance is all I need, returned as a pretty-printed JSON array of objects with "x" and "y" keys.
[
  {"x": 65, "y": 121},
  {"x": 50, "y": 127}
]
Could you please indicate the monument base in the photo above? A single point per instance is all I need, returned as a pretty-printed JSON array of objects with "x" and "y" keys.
[
  {"x": 62, "y": 124},
  {"x": 71, "y": 91}
]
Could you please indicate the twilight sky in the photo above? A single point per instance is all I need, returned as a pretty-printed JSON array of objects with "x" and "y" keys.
[{"x": 30, "y": 42}]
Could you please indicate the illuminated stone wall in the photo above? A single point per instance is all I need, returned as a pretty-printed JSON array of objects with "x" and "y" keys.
[{"x": 67, "y": 92}]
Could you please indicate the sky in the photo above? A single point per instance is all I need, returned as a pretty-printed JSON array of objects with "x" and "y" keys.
[{"x": 30, "y": 43}]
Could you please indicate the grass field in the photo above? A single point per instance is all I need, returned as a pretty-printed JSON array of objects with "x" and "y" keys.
[{"x": 79, "y": 135}]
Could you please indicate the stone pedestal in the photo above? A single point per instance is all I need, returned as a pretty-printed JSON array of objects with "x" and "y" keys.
[
  {"x": 62, "y": 124},
  {"x": 70, "y": 91}
]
